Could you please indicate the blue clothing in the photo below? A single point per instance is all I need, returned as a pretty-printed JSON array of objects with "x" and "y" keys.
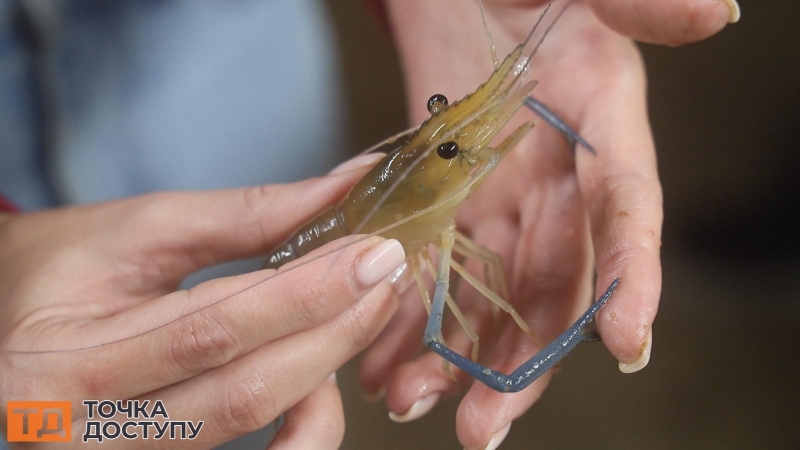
[{"x": 103, "y": 100}]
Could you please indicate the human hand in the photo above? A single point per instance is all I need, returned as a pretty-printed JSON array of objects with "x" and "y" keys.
[
  {"x": 82, "y": 276},
  {"x": 551, "y": 216}
]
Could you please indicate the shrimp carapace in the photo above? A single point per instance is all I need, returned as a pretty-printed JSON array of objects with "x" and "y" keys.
[{"x": 413, "y": 194}]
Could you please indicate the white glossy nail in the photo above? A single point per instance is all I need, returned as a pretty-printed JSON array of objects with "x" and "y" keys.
[
  {"x": 359, "y": 161},
  {"x": 642, "y": 360},
  {"x": 379, "y": 262},
  {"x": 735, "y": 11},
  {"x": 417, "y": 410},
  {"x": 498, "y": 438}
]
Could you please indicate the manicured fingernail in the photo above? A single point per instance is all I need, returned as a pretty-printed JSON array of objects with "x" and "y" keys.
[
  {"x": 498, "y": 438},
  {"x": 735, "y": 12},
  {"x": 642, "y": 360},
  {"x": 417, "y": 410},
  {"x": 397, "y": 275},
  {"x": 332, "y": 378},
  {"x": 374, "y": 397},
  {"x": 380, "y": 262},
  {"x": 359, "y": 161}
]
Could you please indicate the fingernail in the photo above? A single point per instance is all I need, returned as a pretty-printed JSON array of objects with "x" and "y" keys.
[
  {"x": 398, "y": 273},
  {"x": 332, "y": 378},
  {"x": 374, "y": 397},
  {"x": 735, "y": 12},
  {"x": 359, "y": 161},
  {"x": 498, "y": 438},
  {"x": 417, "y": 410},
  {"x": 642, "y": 360},
  {"x": 379, "y": 262}
]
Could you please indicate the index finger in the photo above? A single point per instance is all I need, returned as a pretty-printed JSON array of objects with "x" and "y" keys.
[
  {"x": 181, "y": 232},
  {"x": 623, "y": 197},
  {"x": 247, "y": 311}
]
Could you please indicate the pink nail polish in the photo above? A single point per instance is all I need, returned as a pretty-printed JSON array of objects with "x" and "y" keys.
[
  {"x": 359, "y": 161},
  {"x": 379, "y": 262}
]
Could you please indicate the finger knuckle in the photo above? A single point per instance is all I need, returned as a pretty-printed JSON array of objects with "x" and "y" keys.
[
  {"x": 309, "y": 304},
  {"x": 360, "y": 333},
  {"x": 202, "y": 341},
  {"x": 628, "y": 192},
  {"x": 245, "y": 405},
  {"x": 628, "y": 213},
  {"x": 624, "y": 254},
  {"x": 360, "y": 336},
  {"x": 257, "y": 198},
  {"x": 623, "y": 181}
]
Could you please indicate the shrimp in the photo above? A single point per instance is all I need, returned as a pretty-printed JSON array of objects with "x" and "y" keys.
[{"x": 414, "y": 193}]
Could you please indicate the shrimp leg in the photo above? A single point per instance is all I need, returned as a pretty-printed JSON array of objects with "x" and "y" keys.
[
  {"x": 558, "y": 123},
  {"x": 471, "y": 333},
  {"x": 493, "y": 264},
  {"x": 502, "y": 303},
  {"x": 423, "y": 290},
  {"x": 527, "y": 372},
  {"x": 494, "y": 273}
]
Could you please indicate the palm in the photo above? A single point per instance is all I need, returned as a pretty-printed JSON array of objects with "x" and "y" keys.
[
  {"x": 532, "y": 210},
  {"x": 538, "y": 222}
]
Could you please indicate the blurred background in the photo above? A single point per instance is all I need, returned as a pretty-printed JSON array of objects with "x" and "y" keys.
[{"x": 725, "y": 111}]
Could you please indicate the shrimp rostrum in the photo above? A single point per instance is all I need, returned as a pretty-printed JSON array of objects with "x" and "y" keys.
[{"x": 414, "y": 193}]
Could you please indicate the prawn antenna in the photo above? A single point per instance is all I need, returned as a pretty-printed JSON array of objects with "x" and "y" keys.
[
  {"x": 492, "y": 50},
  {"x": 539, "y": 108}
]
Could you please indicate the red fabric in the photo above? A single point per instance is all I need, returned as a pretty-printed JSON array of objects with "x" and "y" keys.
[{"x": 7, "y": 206}]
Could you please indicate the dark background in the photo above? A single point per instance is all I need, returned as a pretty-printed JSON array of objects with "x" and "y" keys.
[{"x": 723, "y": 371}]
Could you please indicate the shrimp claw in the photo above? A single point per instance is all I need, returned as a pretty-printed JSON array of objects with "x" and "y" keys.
[
  {"x": 532, "y": 369},
  {"x": 558, "y": 123}
]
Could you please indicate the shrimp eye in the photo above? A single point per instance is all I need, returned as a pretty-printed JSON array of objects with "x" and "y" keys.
[
  {"x": 448, "y": 150},
  {"x": 436, "y": 102}
]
